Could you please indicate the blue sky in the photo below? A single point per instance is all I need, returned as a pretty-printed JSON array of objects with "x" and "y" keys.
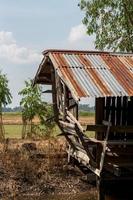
[{"x": 28, "y": 27}]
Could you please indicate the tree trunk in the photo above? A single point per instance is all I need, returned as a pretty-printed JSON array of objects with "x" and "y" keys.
[{"x": 2, "y": 130}]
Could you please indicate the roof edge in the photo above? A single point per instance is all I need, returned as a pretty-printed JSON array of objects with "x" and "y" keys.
[{"x": 83, "y": 51}]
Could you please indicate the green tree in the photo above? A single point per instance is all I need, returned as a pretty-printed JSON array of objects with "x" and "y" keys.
[
  {"x": 32, "y": 105},
  {"x": 5, "y": 98},
  {"x": 111, "y": 21}
]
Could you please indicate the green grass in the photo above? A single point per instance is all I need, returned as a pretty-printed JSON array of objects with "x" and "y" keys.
[
  {"x": 90, "y": 134},
  {"x": 86, "y": 114},
  {"x": 13, "y": 131},
  {"x": 12, "y": 114}
]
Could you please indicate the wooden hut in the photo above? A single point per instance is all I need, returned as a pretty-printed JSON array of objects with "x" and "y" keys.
[{"x": 108, "y": 77}]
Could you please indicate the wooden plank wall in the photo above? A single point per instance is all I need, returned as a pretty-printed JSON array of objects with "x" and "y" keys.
[{"x": 121, "y": 109}]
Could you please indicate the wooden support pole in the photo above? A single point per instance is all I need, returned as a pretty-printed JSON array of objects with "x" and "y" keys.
[
  {"x": 54, "y": 95},
  {"x": 75, "y": 121},
  {"x": 101, "y": 195},
  {"x": 99, "y": 116}
]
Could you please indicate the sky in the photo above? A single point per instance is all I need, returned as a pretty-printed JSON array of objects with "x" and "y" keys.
[{"x": 28, "y": 27}]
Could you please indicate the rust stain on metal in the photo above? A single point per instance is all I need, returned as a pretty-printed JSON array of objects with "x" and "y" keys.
[
  {"x": 119, "y": 73},
  {"x": 95, "y": 77},
  {"x": 65, "y": 69},
  {"x": 95, "y": 74}
]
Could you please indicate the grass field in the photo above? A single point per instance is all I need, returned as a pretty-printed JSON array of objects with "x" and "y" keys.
[
  {"x": 14, "y": 131},
  {"x": 86, "y": 114}
]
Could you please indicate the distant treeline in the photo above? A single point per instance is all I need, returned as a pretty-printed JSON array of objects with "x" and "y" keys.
[
  {"x": 82, "y": 107},
  {"x": 87, "y": 108},
  {"x": 15, "y": 109}
]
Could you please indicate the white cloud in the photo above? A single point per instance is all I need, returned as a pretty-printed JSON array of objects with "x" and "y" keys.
[
  {"x": 6, "y": 38},
  {"x": 11, "y": 51},
  {"x": 77, "y": 33},
  {"x": 79, "y": 39}
]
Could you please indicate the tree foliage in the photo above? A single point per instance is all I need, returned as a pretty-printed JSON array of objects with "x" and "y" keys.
[
  {"x": 5, "y": 95},
  {"x": 31, "y": 101},
  {"x": 32, "y": 105},
  {"x": 5, "y": 98},
  {"x": 111, "y": 21}
]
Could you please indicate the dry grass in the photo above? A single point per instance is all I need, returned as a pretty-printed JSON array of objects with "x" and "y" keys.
[{"x": 37, "y": 168}]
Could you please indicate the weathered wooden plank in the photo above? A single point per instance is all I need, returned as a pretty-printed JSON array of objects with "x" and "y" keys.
[
  {"x": 47, "y": 91},
  {"x": 85, "y": 160},
  {"x": 54, "y": 95},
  {"x": 79, "y": 131},
  {"x": 65, "y": 101},
  {"x": 93, "y": 140},
  {"x": 69, "y": 119},
  {"x": 120, "y": 150},
  {"x": 119, "y": 161},
  {"x": 99, "y": 117},
  {"x": 120, "y": 142},
  {"x": 118, "y": 128},
  {"x": 68, "y": 125},
  {"x": 72, "y": 106},
  {"x": 69, "y": 130},
  {"x": 75, "y": 121},
  {"x": 106, "y": 123},
  {"x": 64, "y": 134},
  {"x": 105, "y": 145},
  {"x": 85, "y": 145}
]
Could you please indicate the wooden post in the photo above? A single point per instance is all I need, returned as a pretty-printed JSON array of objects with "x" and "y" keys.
[
  {"x": 54, "y": 94},
  {"x": 101, "y": 195},
  {"x": 65, "y": 106},
  {"x": 99, "y": 116},
  {"x": 76, "y": 111}
]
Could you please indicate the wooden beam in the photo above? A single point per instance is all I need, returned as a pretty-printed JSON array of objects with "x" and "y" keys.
[
  {"x": 103, "y": 128},
  {"x": 68, "y": 125},
  {"x": 85, "y": 145},
  {"x": 75, "y": 121},
  {"x": 109, "y": 142},
  {"x": 72, "y": 106},
  {"x": 99, "y": 115},
  {"x": 54, "y": 94},
  {"x": 69, "y": 119},
  {"x": 80, "y": 134},
  {"x": 120, "y": 142},
  {"x": 47, "y": 91},
  {"x": 83, "y": 158}
]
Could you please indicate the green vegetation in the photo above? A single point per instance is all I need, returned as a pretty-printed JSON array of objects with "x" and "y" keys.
[
  {"x": 86, "y": 114},
  {"x": 13, "y": 131},
  {"x": 8, "y": 109},
  {"x": 32, "y": 105},
  {"x": 12, "y": 114},
  {"x": 111, "y": 21},
  {"x": 86, "y": 107},
  {"x": 90, "y": 134},
  {"x": 5, "y": 99}
]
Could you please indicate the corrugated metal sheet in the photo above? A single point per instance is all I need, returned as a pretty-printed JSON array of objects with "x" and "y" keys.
[{"x": 95, "y": 74}]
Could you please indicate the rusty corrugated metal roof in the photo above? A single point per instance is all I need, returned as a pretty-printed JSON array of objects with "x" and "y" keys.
[{"x": 95, "y": 74}]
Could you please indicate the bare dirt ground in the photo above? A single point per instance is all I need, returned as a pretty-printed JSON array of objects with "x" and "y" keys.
[
  {"x": 87, "y": 120},
  {"x": 38, "y": 168}
]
